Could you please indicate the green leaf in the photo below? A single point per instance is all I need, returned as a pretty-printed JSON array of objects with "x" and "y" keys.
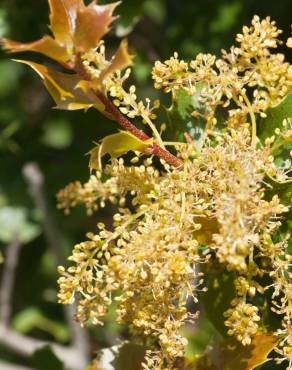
[
  {"x": 15, "y": 225},
  {"x": 275, "y": 117},
  {"x": 119, "y": 144},
  {"x": 249, "y": 357},
  {"x": 130, "y": 357},
  {"x": 45, "y": 359},
  {"x": 218, "y": 297},
  {"x": 124, "y": 357},
  {"x": 230, "y": 355},
  {"x": 267, "y": 126},
  {"x": 116, "y": 145},
  {"x": 180, "y": 118}
]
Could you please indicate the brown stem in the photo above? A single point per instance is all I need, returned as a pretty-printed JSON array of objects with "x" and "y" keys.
[
  {"x": 113, "y": 113},
  {"x": 127, "y": 125}
]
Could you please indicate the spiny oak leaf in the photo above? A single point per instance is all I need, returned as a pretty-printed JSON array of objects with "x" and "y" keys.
[
  {"x": 116, "y": 145},
  {"x": 46, "y": 46},
  {"x": 64, "y": 90},
  {"x": 63, "y": 19},
  {"x": 92, "y": 23},
  {"x": 230, "y": 355},
  {"x": 76, "y": 28},
  {"x": 236, "y": 356}
]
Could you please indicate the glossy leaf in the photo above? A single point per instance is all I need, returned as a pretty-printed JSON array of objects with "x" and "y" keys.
[
  {"x": 123, "y": 357},
  {"x": 92, "y": 24},
  {"x": 47, "y": 46},
  {"x": 63, "y": 88},
  {"x": 248, "y": 358},
  {"x": 62, "y": 19},
  {"x": 95, "y": 158},
  {"x": 282, "y": 154},
  {"x": 181, "y": 120},
  {"x": 275, "y": 117},
  {"x": 76, "y": 28},
  {"x": 116, "y": 145},
  {"x": 216, "y": 300},
  {"x": 231, "y": 355},
  {"x": 121, "y": 143}
]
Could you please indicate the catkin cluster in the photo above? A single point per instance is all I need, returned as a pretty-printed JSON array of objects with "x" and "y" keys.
[
  {"x": 216, "y": 202},
  {"x": 151, "y": 261},
  {"x": 249, "y": 78}
]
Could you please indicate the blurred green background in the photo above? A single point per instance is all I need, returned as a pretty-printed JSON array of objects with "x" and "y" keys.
[{"x": 31, "y": 131}]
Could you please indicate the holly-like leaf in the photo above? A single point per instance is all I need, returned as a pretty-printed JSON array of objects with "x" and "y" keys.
[
  {"x": 216, "y": 300},
  {"x": 180, "y": 118},
  {"x": 47, "y": 46},
  {"x": 123, "y": 357},
  {"x": 282, "y": 146},
  {"x": 116, "y": 145},
  {"x": 121, "y": 143},
  {"x": 230, "y": 355},
  {"x": 92, "y": 23},
  {"x": 275, "y": 117},
  {"x": 62, "y": 19},
  {"x": 76, "y": 28},
  {"x": 64, "y": 88},
  {"x": 248, "y": 358}
]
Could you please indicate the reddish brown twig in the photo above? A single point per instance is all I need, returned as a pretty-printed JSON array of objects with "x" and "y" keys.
[
  {"x": 128, "y": 126},
  {"x": 113, "y": 113}
]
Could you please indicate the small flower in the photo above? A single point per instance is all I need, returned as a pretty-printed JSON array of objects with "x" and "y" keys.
[{"x": 242, "y": 321}]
